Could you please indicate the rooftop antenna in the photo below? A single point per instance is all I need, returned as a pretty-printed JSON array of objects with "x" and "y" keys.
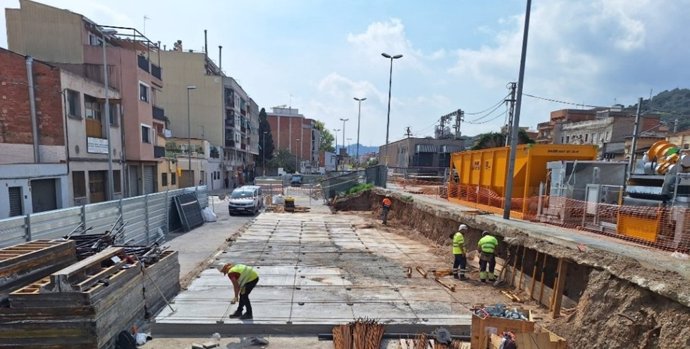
[{"x": 145, "y": 19}]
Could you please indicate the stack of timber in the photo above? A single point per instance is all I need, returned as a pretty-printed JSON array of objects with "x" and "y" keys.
[
  {"x": 24, "y": 263},
  {"x": 86, "y": 304}
]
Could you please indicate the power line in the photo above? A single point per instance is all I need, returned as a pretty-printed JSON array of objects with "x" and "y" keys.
[
  {"x": 475, "y": 121},
  {"x": 488, "y": 120},
  {"x": 489, "y": 108},
  {"x": 562, "y": 102}
]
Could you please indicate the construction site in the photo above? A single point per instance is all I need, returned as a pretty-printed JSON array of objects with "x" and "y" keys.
[{"x": 594, "y": 256}]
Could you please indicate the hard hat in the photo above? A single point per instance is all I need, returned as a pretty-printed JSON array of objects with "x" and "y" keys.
[
  {"x": 485, "y": 233},
  {"x": 462, "y": 227},
  {"x": 224, "y": 269}
]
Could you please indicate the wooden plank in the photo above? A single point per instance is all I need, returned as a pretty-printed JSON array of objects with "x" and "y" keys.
[
  {"x": 541, "y": 282},
  {"x": 534, "y": 273},
  {"x": 522, "y": 268},
  {"x": 512, "y": 270},
  {"x": 63, "y": 280},
  {"x": 558, "y": 288}
]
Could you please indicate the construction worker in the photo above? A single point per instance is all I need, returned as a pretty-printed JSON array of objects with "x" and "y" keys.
[
  {"x": 487, "y": 248},
  {"x": 386, "y": 205},
  {"x": 243, "y": 279},
  {"x": 459, "y": 252}
]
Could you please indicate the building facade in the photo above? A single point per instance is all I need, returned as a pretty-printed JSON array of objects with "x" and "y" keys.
[
  {"x": 75, "y": 43},
  {"x": 87, "y": 139},
  {"x": 33, "y": 155},
  {"x": 425, "y": 154},
  {"x": 297, "y": 134},
  {"x": 203, "y": 103}
]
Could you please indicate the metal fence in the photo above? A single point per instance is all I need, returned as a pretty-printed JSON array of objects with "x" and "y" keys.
[{"x": 147, "y": 219}]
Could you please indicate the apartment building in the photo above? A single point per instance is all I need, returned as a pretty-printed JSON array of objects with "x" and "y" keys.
[
  {"x": 75, "y": 43},
  {"x": 297, "y": 134},
  {"x": 204, "y": 104},
  {"x": 33, "y": 160},
  {"x": 87, "y": 139},
  {"x": 202, "y": 161}
]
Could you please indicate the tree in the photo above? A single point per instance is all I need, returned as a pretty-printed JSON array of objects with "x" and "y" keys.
[
  {"x": 495, "y": 139},
  {"x": 265, "y": 140},
  {"x": 326, "y": 137},
  {"x": 283, "y": 158}
]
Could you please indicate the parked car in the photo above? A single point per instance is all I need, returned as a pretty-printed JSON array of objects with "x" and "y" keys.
[
  {"x": 245, "y": 199},
  {"x": 296, "y": 180}
]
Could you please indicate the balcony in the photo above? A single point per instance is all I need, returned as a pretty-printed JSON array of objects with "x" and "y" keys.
[
  {"x": 156, "y": 71},
  {"x": 158, "y": 152},
  {"x": 229, "y": 144},
  {"x": 243, "y": 146},
  {"x": 159, "y": 113},
  {"x": 230, "y": 123},
  {"x": 143, "y": 63}
]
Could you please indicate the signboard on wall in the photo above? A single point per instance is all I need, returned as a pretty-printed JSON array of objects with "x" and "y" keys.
[{"x": 96, "y": 145}]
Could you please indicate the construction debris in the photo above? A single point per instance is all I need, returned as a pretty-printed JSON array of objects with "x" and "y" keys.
[
  {"x": 487, "y": 320},
  {"x": 359, "y": 334},
  {"x": 424, "y": 341},
  {"x": 450, "y": 287}
]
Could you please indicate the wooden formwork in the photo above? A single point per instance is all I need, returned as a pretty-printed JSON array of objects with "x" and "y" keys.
[{"x": 88, "y": 303}]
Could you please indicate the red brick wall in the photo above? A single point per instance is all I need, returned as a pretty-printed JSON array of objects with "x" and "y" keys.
[
  {"x": 286, "y": 136},
  {"x": 15, "y": 113}
]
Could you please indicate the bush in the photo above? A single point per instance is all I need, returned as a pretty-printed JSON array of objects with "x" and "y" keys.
[{"x": 359, "y": 188}]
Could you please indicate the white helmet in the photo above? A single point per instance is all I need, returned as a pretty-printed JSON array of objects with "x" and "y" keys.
[{"x": 462, "y": 227}]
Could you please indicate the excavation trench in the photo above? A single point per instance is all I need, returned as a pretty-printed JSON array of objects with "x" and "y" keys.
[{"x": 607, "y": 300}]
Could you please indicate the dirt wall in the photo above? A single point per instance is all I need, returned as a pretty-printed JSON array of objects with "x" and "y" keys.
[{"x": 616, "y": 305}]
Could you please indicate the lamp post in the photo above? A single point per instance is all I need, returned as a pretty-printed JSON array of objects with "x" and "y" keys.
[
  {"x": 296, "y": 156},
  {"x": 263, "y": 150},
  {"x": 390, "y": 84},
  {"x": 344, "y": 120},
  {"x": 111, "y": 183},
  {"x": 189, "y": 135},
  {"x": 335, "y": 132},
  {"x": 359, "y": 115}
]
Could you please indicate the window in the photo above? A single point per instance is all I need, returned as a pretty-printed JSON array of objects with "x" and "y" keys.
[
  {"x": 173, "y": 179},
  {"x": 143, "y": 92},
  {"x": 164, "y": 179},
  {"x": 567, "y": 139},
  {"x": 686, "y": 146},
  {"x": 114, "y": 112},
  {"x": 586, "y": 136},
  {"x": 606, "y": 138},
  {"x": 73, "y": 104},
  {"x": 117, "y": 183},
  {"x": 95, "y": 40},
  {"x": 145, "y": 134},
  {"x": 15, "y": 197},
  {"x": 79, "y": 184},
  {"x": 92, "y": 108}
]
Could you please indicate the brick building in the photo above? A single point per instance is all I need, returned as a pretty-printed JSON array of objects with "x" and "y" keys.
[
  {"x": 297, "y": 134},
  {"x": 33, "y": 171}
]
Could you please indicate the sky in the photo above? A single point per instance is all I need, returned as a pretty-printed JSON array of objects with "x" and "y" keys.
[{"x": 316, "y": 55}]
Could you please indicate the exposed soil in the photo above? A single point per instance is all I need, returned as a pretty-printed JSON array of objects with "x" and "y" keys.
[{"x": 616, "y": 305}]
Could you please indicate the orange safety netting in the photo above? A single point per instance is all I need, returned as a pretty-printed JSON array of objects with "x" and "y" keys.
[{"x": 664, "y": 227}]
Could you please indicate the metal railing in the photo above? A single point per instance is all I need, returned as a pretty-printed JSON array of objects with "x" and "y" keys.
[{"x": 143, "y": 217}]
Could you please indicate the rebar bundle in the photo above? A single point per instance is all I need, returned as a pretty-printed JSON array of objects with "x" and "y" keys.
[{"x": 359, "y": 334}]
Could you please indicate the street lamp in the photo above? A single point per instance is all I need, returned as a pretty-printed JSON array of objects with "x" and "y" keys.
[
  {"x": 263, "y": 150},
  {"x": 390, "y": 83},
  {"x": 359, "y": 114},
  {"x": 344, "y": 120},
  {"x": 296, "y": 158},
  {"x": 189, "y": 135},
  {"x": 335, "y": 132}
]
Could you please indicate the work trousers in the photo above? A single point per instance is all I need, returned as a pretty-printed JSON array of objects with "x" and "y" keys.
[
  {"x": 244, "y": 296},
  {"x": 460, "y": 261},
  {"x": 384, "y": 214},
  {"x": 487, "y": 259}
]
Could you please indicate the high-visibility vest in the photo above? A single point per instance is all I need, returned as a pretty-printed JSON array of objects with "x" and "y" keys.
[
  {"x": 458, "y": 243},
  {"x": 247, "y": 273},
  {"x": 487, "y": 244}
]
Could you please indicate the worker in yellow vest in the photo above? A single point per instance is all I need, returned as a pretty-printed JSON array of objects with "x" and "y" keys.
[
  {"x": 243, "y": 278},
  {"x": 459, "y": 252},
  {"x": 487, "y": 258}
]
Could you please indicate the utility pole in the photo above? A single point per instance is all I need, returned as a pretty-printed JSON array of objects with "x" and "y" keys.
[
  {"x": 511, "y": 112},
  {"x": 633, "y": 146},
  {"x": 359, "y": 116},
  {"x": 516, "y": 118},
  {"x": 459, "y": 118}
]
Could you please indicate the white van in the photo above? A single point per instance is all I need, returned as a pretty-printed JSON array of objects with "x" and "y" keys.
[{"x": 245, "y": 199}]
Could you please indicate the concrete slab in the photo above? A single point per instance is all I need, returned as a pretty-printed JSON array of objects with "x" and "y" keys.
[{"x": 318, "y": 270}]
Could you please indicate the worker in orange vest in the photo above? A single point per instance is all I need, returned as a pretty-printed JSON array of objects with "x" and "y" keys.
[{"x": 386, "y": 205}]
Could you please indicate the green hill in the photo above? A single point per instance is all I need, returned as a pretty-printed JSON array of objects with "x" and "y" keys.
[{"x": 673, "y": 104}]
